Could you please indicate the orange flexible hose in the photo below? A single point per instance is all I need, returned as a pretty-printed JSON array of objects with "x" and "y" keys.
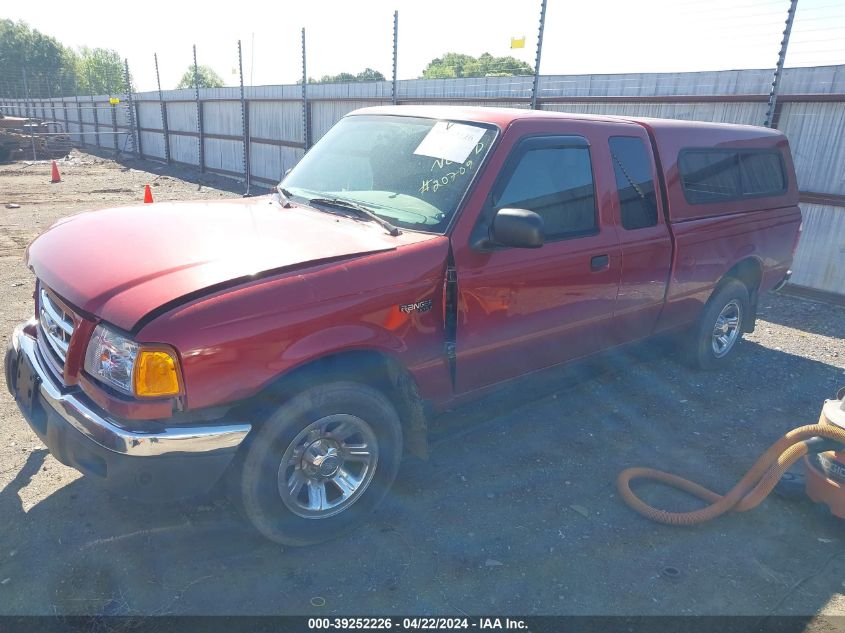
[{"x": 755, "y": 486}]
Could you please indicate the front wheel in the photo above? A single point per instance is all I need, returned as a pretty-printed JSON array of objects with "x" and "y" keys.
[
  {"x": 321, "y": 463},
  {"x": 720, "y": 326}
]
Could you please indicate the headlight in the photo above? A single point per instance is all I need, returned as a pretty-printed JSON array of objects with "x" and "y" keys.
[{"x": 146, "y": 371}]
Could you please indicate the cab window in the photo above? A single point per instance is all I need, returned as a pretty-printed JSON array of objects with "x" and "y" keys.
[
  {"x": 634, "y": 182},
  {"x": 556, "y": 183}
]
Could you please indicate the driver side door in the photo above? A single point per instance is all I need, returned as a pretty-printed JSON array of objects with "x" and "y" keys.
[{"x": 525, "y": 309}]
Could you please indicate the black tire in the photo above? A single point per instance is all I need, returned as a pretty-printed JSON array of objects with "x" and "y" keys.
[
  {"x": 702, "y": 352},
  {"x": 260, "y": 494}
]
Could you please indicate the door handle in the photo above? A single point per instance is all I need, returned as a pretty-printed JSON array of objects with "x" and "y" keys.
[{"x": 599, "y": 262}]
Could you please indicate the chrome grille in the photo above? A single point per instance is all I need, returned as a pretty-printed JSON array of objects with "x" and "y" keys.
[{"x": 56, "y": 326}]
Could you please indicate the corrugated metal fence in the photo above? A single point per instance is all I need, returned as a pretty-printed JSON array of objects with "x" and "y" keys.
[{"x": 811, "y": 111}]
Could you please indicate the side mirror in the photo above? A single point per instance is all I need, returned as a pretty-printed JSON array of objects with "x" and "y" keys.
[{"x": 517, "y": 228}]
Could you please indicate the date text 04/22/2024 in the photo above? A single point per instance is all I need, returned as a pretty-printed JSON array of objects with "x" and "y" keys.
[{"x": 417, "y": 623}]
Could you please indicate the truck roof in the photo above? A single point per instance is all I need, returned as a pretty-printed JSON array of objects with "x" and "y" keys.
[
  {"x": 502, "y": 117},
  {"x": 669, "y": 136}
]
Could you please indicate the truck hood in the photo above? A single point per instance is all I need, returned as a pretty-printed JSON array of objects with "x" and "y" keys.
[{"x": 119, "y": 264}]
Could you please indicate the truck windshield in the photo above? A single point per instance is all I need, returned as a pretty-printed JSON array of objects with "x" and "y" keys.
[{"x": 412, "y": 172}]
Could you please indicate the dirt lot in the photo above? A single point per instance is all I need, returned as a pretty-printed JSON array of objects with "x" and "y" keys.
[{"x": 516, "y": 512}]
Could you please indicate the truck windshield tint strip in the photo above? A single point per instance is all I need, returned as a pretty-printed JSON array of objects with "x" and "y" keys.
[
  {"x": 715, "y": 175},
  {"x": 634, "y": 182},
  {"x": 557, "y": 184}
]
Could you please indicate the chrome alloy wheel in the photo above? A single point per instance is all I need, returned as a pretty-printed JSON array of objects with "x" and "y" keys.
[
  {"x": 328, "y": 466},
  {"x": 727, "y": 328}
]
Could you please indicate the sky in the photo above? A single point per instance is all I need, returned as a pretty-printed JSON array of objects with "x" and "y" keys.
[{"x": 587, "y": 36}]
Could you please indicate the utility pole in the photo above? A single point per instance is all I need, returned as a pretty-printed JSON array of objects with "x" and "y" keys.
[
  {"x": 395, "y": 45},
  {"x": 771, "y": 119},
  {"x": 536, "y": 85}
]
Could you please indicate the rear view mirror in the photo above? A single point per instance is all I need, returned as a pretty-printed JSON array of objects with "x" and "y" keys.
[{"x": 517, "y": 228}]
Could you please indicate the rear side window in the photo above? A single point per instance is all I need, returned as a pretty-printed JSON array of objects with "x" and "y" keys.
[
  {"x": 715, "y": 175},
  {"x": 761, "y": 173},
  {"x": 557, "y": 184},
  {"x": 634, "y": 182}
]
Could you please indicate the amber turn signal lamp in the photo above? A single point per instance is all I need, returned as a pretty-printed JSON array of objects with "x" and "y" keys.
[{"x": 156, "y": 374}]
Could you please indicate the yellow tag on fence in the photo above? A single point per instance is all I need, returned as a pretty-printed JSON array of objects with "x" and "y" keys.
[
  {"x": 518, "y": 42},
  {"x": 114, "y": 100}
]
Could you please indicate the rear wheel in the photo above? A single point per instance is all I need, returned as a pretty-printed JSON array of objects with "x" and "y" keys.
[
  {"x": 720, "y": 326},
  {"x": 321, "y": 463}
]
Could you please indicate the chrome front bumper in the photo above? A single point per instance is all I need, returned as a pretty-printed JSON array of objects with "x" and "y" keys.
[{"x": 111, "y": 434}]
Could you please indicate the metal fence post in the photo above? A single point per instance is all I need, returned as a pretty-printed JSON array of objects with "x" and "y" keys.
[
  {"x": 113, "y": 107},
  {"x": 31, "y": 127},
  {"x": 772, "y": 111},
  {"x": 163, "y": 114},
  {"x": 116, "y": 143},
  {"x": 21, "y": 100},
  {"x": 395, "y": 52},
  {"x": 95, "y": 111},
  {"x": 244, "y": 122},
  {"x": 133, "y": 127},
  {"x": 201, "y": 155},
  {"x": 81, "y": 129},
  {"x": 65, "y": 118},
  {"x": 50, "y": 97},
  {"x": 536, "y": 85},
  {"x": 306, "y": 133},
  {"x": 25, "y": 90},
  {"x": 65, "y": 121}
]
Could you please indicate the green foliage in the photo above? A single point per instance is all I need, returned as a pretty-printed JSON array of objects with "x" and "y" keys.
[
  {"x": 48, "y": 64},
  {"x": 368, "y": 74},
  {"x": 454, "y": 65},
  {"x": 53, "y": 69},
  {"x": 206, "y": 78},
  {"x": 99, "y": 71}
]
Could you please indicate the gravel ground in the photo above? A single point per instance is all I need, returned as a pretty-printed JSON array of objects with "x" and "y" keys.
[{"x": 516, "y": 511}]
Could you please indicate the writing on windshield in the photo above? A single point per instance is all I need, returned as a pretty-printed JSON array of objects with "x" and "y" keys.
[{"x": 401, "y": 168}]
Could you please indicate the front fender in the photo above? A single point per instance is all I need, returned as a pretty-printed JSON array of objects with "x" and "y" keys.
[
  {"x": 341, "y": 338},
  {"x": 235, "y": 343}
]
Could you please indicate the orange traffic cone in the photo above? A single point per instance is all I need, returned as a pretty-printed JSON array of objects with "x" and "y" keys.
[
  {"x": 55, "y": 176},
  {"x": 148, "y": 195}
]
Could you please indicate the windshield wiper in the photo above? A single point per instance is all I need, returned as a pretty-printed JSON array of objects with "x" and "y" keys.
[
  {"x": 342, "y": 203},
  {"x": 284, "y": 196}
]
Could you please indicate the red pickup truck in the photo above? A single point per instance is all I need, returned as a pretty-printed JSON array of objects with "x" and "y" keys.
[{"x": 416, "y": 257}]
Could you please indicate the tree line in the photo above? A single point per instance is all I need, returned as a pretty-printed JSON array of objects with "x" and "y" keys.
[
  {"x": 449, "y": 66},
  {"x": 34, "y": 65},
  {"x": 39, "y": 66}
]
